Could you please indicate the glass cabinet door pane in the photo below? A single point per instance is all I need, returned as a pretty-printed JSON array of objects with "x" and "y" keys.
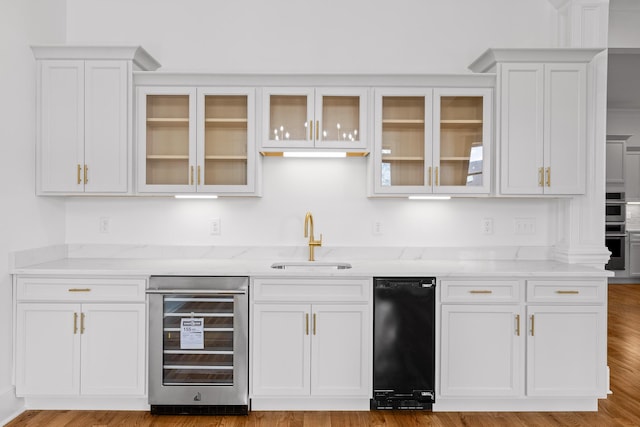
[
  {"x": 340, "y": 119},
  {"x": 403, "y": 139},
  {"x": 208, "y": 360},
  {"x": 288, "y": 118},
  {"x": 167, "y": 161},
  {"x": 461, "y": 145},
  {"x": 225, "y": 145}
]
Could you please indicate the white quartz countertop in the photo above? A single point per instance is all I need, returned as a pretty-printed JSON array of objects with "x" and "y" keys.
[{"x": 262, "y": 268}]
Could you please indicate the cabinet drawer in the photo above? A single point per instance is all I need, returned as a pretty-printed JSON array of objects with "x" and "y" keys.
[
  {"x": 80, "y": 289},
  {"x": 566, "y": 291},
  {"x": 480, "y": 290},
  {"x": 311, "y": 290}
]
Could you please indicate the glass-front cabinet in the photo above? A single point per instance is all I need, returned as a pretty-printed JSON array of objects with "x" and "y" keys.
[
  {"x": 320, "y": 118},
  {"x": 432, "y": 141},
  {"x": 196, "y": 140}
]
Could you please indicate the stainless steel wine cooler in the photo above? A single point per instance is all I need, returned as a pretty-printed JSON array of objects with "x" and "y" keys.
[{"x": 198, "y": 345}]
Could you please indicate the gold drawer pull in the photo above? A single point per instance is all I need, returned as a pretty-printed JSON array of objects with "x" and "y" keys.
[
  {"x": 79, "y": 289},
  {"x": 568, "y": 292},
  {"x": 517, "y": 324},
  {"x": 75, "y": 323},
  {"x": 314, "y": 323},
  {"x": 306, "y": 322},
  {"x": 79, "y": 173},
  {"x": 82, "y": 323},
  {"x": 481, "y": 292}
]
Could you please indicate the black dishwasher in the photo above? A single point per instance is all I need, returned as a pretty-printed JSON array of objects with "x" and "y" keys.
[{"x": 404, "y": 343}]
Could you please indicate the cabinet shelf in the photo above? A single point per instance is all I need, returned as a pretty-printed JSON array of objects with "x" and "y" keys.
[
  {"x": 455, "y": 159},
  {"x": 167, "y": 121},
  {"x": 230, "y": 157},
  {"x": 402, "y": 159},
  {"x": 461, "y": 122},
  {"x": 167, "y": 157},
  {"x": 225, "y": 121},
  {"x": 403, "y": 122}
]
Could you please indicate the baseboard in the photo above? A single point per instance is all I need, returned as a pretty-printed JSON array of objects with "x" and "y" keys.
[{"x": 10, "y": 405}]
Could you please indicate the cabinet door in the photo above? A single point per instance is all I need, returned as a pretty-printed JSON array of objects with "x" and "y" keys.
[
  {"x": 340, "y": 118},
  {"x": 634, "y": 254},
  {"x": 226, "y": 147},
  {"x": 462, "y": 140},
  {"x": 280, "y": 348},
  {"x": 340, "y": 350},
  {"x": 61, "y": 127},
  {"x": 113, "y": 349},
  {"x": 521, "y": 128},
  {"x": 403, "y": 140},
  {"x": 482, "y": 350},
  {"x": 566, "y": 351},
  {"x": 166, "y": 139},
  {"x": 106, "y": 159},
  {"x": 48, "y": 350},
  {"x": 565, "y": 109},
  {"x": 632, "y": 174},
  {"x": 616, "y": 150},
  {"x": 288, "y": 118}
]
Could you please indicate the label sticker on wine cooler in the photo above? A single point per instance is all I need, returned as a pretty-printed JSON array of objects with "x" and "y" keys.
[{"x": 192, "y": 333}]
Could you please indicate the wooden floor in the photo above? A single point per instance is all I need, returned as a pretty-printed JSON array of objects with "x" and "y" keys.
[{"x": 620, "y": 409}]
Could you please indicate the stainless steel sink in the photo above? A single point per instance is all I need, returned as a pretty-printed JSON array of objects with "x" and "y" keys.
[{"x": 311, "y": 265}]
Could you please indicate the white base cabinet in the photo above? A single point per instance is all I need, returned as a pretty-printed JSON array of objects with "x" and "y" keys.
[
  {"x": 492, "y": 353},
  {"x": 484, "y": 350},
  {"x": 308, "y": 342},
  {"x": 67, "y": 345}
]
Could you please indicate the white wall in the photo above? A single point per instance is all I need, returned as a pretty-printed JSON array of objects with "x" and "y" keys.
[
  {"x": 25, "y": 221},
  {"x": 365, "y": 36},
  {"x": 358, "y": 36},
  {"x": 624, "y": 122}
]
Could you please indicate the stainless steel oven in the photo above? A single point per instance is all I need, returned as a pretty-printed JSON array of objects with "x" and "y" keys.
[
  {"x": 615, "y": 207},
  {"x": 198, "y": 345}
]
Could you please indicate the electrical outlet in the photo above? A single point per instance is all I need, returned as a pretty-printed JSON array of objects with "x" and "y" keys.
[
  {"x": 524, "y": 226},
  {"x": 214, "y": 226},
  {"x": 103, "y": 225},
  {"x": 378, "y": 228},
  {"x": 486, "y": 226}
]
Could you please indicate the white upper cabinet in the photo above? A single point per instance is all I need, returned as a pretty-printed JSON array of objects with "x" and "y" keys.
[
  {"x": 320, "y": 118},
  {"x": 84, "y": 135},
  {"x": 196, "y": 140},
  {"x": 542, "y": 118},
  {"x": 432, "y": 140}
]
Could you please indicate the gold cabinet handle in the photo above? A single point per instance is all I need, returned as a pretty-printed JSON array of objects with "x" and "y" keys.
[
  {"x": 79, "y": 173},
  {"x": 517, "y": 325},
  {"x": 532, "y": 325},
  {"x": 82, "y": 323},
  {"x": 430, "y": 177},
  {"x": 568, "y": 292},
  {"x": 311, "y": 129},
  {"x": 541, "y": 177},
  {"x": 191, "y": 176},
  {"x": 481, "y": 291},
  {"x": 306, "y": 323},
  {"x": 79, "y": 289},
  {"x": 437, "y": 176},
  {"x": 86, "y": 174},
  {"x": 198, "y": 174},
  {"x": 75, "y": 323},
  {"x": 549, "y": 177},
  {"x": 318, "y": 131},
  {"x": 314, "y": 323}
]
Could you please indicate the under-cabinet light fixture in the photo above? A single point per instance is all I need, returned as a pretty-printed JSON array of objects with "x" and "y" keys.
[
  {"x": 429, "y": 197},
  {"x": 633, "y": 203},
  {"x": 195, "y": 196},
  {"x": 316, "y": 154}
]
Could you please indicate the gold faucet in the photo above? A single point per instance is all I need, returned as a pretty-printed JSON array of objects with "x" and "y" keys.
[{"x": 308, "y": 232}]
